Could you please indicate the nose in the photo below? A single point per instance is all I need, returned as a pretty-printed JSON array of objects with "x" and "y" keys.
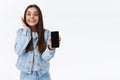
[{"x": 32, "y": 16}]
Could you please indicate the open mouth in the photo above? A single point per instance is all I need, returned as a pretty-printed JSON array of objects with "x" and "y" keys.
[{"x": 31, "y": 21}]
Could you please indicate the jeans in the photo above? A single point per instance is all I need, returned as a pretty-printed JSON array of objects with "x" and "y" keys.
[{"x": 34, "y": 76}]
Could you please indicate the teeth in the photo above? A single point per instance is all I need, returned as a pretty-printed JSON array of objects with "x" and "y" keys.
[{"x": 31, "y": 21}]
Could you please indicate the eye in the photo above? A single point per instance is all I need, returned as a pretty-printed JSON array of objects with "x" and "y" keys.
[
  {"x": 28, "y": 14},
  {"x": 36, "y": 14}
]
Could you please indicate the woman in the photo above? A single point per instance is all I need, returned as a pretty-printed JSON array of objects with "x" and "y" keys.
[{"x": 33, "y": 46}]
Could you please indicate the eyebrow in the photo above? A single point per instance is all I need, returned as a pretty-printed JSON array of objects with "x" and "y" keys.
[{"x": 30, "y": 12}]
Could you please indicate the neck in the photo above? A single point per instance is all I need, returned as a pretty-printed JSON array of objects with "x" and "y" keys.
[{"x": 34, "y": 29}]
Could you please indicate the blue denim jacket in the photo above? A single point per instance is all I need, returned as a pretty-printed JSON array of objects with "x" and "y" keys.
[{"x": 25, "y": 60}]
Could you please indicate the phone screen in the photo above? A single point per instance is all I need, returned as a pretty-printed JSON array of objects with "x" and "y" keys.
[{"x": 55, "y": 39}]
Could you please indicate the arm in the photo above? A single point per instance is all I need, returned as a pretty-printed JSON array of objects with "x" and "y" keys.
[
  {"x": 48, "y": 53},
  {"x": 22, "y": 39}
]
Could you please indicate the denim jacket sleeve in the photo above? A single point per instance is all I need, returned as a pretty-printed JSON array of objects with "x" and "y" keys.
[
  {"x": 22, "y": 39},
  {"x": 47, "y": 54}
]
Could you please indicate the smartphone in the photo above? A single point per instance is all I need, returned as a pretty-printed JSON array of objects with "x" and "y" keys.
[{"x": 55, "y": 39}]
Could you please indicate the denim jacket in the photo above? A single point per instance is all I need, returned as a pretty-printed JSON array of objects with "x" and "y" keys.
[{"x": 25, "y": 59}]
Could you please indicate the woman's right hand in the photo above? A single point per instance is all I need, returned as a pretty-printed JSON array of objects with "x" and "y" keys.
[{"x": 23, "y": 23}]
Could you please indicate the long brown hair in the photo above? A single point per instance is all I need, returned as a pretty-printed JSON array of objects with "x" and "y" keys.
[{"x": 40, "y": 30}]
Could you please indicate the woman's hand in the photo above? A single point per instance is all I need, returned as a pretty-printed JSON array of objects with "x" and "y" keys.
[{"x": 24, "y": 25}]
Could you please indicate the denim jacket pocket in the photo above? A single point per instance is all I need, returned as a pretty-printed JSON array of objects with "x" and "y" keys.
[{"x": 23, "y": 74}]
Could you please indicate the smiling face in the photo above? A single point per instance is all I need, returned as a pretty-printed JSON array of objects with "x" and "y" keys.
[{"x": 32, "y": 17}]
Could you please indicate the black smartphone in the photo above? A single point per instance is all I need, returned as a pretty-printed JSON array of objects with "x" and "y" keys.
[{"x": 55, "y": 39}]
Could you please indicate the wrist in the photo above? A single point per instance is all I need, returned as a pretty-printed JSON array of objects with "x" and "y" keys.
[{"x": 49, "y": 47}]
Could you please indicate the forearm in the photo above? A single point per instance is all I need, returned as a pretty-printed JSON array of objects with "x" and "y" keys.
[{"x": 22, "y": 40}]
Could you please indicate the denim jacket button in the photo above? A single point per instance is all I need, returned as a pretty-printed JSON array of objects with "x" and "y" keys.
[
  {"x": 36, "y": 55},
  {"x": 40, "y": 72},
  {"x": 28, "y": 70}
]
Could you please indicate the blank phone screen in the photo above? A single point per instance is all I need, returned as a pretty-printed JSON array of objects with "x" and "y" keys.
[{"x": 55, "y": 39}]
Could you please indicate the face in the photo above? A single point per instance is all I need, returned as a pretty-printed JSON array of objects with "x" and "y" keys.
[{"x": 32, "y": 17}]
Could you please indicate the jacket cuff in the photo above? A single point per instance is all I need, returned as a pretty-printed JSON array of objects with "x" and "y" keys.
[{"x": 52, "y": 51}]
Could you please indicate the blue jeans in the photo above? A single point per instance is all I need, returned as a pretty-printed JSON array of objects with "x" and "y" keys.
[{"x": 34, "y": 76}]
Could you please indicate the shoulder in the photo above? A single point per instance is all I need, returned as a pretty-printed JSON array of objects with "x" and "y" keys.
[
  {"x": 24, "y": 30},
  {"x": 19, "y": 31},
  {"x": 47, "y": 32}
]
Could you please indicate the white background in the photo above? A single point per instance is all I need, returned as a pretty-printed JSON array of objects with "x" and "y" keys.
[{"x": 90, "y": 32}]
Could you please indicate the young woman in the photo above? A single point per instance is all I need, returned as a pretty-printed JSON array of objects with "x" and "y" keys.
[{"x": 33, "y": 46}]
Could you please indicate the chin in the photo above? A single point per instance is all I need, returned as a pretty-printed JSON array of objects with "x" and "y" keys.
[{"x": 32, "y": 25}]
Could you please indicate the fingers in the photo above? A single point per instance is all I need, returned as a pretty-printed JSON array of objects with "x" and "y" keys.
[
  {"x": 59, "y": 38},
  {"x": 23, "y": 22},
  {"x": 49, "y": 40}
]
